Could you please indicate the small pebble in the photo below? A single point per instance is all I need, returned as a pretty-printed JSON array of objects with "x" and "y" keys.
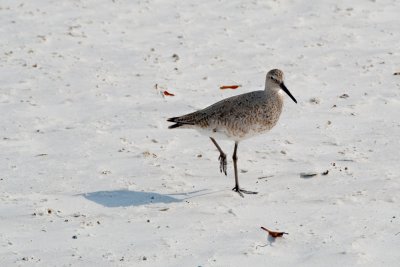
[{"x": 175, "y": 57}]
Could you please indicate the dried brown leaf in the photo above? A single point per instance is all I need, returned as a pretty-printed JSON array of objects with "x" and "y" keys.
[
  {"x": 166, "y": 93},
  {"x": 273, "y": 233},
  {"x": 229, "y": 87}
]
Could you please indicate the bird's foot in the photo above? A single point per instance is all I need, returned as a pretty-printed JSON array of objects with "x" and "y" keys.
[
  {"x": 222, "y": 163},
  {"x": 242, "y": 191}
]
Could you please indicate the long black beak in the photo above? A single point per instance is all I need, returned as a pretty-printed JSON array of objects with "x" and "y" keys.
[{"x": 282, "y": 85}]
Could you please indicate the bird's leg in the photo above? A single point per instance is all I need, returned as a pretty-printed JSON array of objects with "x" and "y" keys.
[
  {"x": 222, "y": 157},
  {"x": 237, "y": 188}
]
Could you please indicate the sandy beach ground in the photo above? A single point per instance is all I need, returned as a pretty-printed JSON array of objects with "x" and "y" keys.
[{"x": 91, "y": 176}]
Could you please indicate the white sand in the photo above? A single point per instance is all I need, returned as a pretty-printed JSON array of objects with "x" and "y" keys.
[{"x": 91, "y": 176}]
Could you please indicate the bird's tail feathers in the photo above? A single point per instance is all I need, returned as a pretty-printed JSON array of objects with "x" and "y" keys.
[{"x": 178, "y": 122}]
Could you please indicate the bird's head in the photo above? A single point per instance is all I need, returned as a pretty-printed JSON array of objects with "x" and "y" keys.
[{"x": 274, "y": 81}]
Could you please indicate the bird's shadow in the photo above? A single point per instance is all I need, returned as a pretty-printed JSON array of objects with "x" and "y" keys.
[{"x": 126, "y": 198}]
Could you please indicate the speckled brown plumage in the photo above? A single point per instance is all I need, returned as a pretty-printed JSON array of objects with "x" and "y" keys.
[{"x": 237, "y": 117}]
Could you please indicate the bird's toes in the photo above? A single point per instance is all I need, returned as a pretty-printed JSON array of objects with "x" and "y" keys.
[
  {"x": 223, "y": 163},
  {"x": 242, "y": 191},
  {"x": 238, "y": 190}
]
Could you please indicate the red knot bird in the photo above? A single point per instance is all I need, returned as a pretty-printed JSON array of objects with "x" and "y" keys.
[{"x": 238, "y": 118}]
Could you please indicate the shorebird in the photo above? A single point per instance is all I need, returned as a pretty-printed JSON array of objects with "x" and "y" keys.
[{"x": 238, "y": 118}]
